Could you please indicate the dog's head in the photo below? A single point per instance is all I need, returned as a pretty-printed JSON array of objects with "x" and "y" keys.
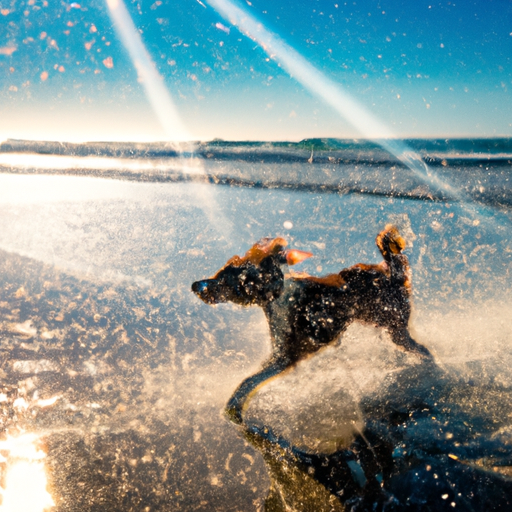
[{"x": 255, "y": 278}]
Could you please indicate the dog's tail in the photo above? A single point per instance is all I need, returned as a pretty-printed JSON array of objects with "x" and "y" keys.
[
  {"x": 391, "y": 245},
  {"x": 390, "y": 242}
]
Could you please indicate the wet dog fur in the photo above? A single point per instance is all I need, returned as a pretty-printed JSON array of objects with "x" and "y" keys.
[{"x": 306, "y": 313}]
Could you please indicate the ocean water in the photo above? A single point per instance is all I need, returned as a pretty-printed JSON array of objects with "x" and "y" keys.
[{"x": 123, "y": 374}]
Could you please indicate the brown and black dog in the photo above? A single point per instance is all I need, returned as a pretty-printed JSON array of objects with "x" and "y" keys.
[{"x": 306, "y": 313}]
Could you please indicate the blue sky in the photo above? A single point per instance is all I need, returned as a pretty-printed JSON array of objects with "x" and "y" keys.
[{"x": 424, "y": 69}]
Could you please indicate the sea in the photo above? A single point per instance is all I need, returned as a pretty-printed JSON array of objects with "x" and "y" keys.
[{"x": 118, "y": 374}]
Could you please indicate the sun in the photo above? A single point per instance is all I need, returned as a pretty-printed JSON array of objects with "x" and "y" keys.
[{"x": 26, "y": 484}]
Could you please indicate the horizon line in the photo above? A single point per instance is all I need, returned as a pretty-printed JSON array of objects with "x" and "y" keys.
[{"x": 249, "y": 140}]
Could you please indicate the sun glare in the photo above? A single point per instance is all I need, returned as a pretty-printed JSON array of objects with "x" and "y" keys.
[{"x": 25, "y": 485}]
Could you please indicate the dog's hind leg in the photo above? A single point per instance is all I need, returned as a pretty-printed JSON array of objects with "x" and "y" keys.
[
  {"x": 238, "y": 401},
  {"x": 402, "y": 338}
]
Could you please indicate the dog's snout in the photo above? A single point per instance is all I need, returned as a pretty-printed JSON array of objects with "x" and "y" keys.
[
  {"x": 199, "y": 287},
  {"x": 207, "y": 290}
]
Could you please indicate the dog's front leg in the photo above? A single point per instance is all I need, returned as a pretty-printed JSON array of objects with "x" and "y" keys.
[
  {"x": 238, "y": 401},
  {"x": 402, "y": 338}
]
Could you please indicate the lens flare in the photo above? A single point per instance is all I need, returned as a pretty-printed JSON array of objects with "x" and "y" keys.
[
  {"x": 161, "y": 102},
  {"x": 25, "y": 478},
  {"x": 156, "y": 92}
]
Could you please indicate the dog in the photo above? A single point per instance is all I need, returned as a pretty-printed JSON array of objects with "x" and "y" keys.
[{"x": 306, "y": 313}]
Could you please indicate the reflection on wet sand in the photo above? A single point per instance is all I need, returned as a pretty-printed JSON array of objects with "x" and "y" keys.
[
  {"x": 24, "y": 477},
  {"x": 95, "y": 370},
  {"x": 427, "y": 443}
]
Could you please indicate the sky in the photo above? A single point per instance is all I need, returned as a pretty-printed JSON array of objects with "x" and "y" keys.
[{"x": 419, "y": 69}]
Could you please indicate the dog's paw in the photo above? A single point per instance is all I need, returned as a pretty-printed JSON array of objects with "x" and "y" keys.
[{"x": 233, "y": 413}]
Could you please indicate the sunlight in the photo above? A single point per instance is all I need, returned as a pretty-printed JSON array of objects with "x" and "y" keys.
[
  {"x": 160, "y": 99},
  {"x": 25, "y": 487},
  {"x": 58, "y": 162},
  {"x": 61, "y": 183},
  {"x": 156, "y": 92}
]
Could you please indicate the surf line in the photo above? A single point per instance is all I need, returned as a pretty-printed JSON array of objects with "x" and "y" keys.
[{"x": 318, "y": 84}]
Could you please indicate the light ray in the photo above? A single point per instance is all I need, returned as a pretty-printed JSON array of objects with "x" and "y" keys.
[
  {"x": 162, "y": 103},
  {"x": 157, "y": 94},
  {"x": 330, "y": 92}
]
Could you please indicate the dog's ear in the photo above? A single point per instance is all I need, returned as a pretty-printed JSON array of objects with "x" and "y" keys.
[
  {"x": 268, "y": 247},
  {"x": 235, "y": 261},
  {"x": 263, "y": 248},
  {"x": 294, "y": 256},
  {"x": 273, "y": 246}
]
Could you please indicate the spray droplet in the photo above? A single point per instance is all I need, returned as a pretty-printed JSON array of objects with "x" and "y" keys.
[{"x": 287, "y": 224}]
